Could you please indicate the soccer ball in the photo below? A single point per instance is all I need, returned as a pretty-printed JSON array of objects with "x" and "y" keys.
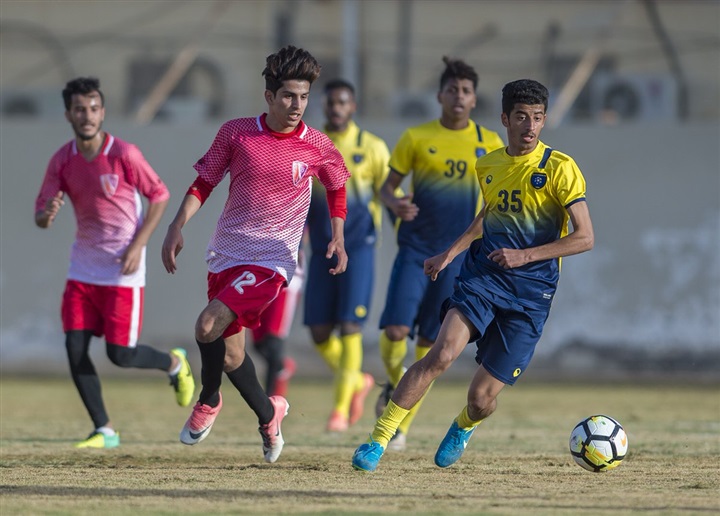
[{"x": 598, "y": 443}]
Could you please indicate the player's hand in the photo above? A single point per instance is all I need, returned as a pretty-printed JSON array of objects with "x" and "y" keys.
[
  {"x": 509, "y": 258},
  {"x": 172, "y": 245},
  {"x": 405, "y": 209},
  {"x": 433, "y": 266},
  {"x": 337, "y": 248},
  {"x": 53, "y": 205},
  {"x": 130, "y": 259}
]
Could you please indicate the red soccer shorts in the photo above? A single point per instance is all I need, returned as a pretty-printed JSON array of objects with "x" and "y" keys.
[
  {"x": 247, "y": 290},
  {"x": 278, "y": 317},
  {"x": 109, "y": 310}
]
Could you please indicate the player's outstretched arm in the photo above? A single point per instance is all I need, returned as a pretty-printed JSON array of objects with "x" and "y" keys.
[
  {"x": 434, "y": 265},
  {"x": 45, "y": 217},
  {"x": 580, "y": 240},
  {"x": 173, "y": 243},
  {"x": 337, "y": 245}
]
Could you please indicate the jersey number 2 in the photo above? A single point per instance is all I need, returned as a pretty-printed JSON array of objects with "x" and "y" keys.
[{"x": 246, "y": 279}]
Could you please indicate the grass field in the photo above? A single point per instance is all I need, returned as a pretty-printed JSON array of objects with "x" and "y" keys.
[{"x": 517, "y": 462}]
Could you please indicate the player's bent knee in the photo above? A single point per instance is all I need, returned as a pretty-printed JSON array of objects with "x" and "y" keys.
[
  {"x": 440, "y": 359},
  {"x": 121, "y": 356},
  {"x": 396, "y": 333},
  {"x": 204, "y": 329},
  {"x": 233, "y": 359},
  {"x": 481, "y": 406}
]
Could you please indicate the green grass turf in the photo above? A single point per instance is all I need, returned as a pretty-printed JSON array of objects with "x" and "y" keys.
[{"x": 516, "y": 463}]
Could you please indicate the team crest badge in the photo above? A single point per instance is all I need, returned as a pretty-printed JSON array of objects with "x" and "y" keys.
[
  {"x": 357, "y": 158},
  {"x": 480, "y": 152},
  {"x": 538, "y": 180},
  {"x": 109, "y": 183},
  {"x": 432, "y": 150},
  {"x": 488, "y": 180},
  {"x": 299, "y": 169}
]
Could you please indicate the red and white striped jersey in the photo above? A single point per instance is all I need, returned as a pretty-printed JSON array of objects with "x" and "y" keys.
[
  {"x": 270, "y": 185},
  {"x": 105, "y": 194}
]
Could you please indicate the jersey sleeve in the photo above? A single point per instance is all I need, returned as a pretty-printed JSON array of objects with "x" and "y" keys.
[
  {"x": 494, "y": 141},
  {"x": 569, "y": 183},
  {"x": 332, "y": 172},
  {"x": 144, "y": 177},
  {"x": 52, "y": 182},
  {"x": 402, "y": 155},
  {"x": 213, "y": 166}
]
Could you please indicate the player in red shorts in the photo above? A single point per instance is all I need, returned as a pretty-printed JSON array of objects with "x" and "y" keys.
[
  {"x": 104, "y": 178},
  {"x": 271, "y": 160}
]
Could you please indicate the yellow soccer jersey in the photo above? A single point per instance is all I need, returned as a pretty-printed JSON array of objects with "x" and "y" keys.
[
  {"x": 443, "y": 184},
  {"x": 366, "y": 157},
  {"x": 526, "y": 200}
]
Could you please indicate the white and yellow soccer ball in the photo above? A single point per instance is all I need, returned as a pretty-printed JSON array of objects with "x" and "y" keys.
[{"x": 598, "y": 443}]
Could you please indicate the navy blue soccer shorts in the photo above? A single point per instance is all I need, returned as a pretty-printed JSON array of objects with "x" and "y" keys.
[
  {"x": 412, "y": 299},
  {"x": 507, "y": 332},
  {"x": 343, "y": 298}
]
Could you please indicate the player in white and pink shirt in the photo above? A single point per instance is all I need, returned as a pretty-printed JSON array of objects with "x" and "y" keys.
[
  {"x": 253, "y": 252},
  {"x": 105, "y": 177}
]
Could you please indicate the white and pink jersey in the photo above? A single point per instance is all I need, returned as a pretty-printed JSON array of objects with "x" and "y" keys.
[
  {"x": 270, "y": 185},
  {"x": 105, "y": 194}
]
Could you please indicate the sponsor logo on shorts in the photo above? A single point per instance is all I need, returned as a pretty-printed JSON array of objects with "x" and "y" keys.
[
  {"x": 360, "y": 311},
  {"x": 517, "y": 372}
]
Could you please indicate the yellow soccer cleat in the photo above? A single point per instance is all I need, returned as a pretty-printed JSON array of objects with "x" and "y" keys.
[
  {"x": 100, "y": 440},
  {"x": 183, "y": 382}
]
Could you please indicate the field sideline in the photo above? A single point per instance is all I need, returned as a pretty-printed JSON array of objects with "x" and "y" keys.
[{"x": 517, "y": 462}]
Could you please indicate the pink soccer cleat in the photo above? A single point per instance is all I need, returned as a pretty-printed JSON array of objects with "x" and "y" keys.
[
  {"x": 337, "y": 422},
  {"x": 198, "y": 425},
  {"x": 271, "y": 434},
  {"x": 357, "y": 404}
]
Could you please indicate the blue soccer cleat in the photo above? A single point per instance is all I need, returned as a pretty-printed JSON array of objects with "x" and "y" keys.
[
  {"x": 452, "y": 446},
  {"x": 367, "y": 456}
]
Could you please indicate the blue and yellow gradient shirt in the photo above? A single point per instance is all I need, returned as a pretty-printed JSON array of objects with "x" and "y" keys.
[
  {"x": 526, "y": 201},
  {"x": 443, "y": 182},
  {"x": 366, "y": 157}
]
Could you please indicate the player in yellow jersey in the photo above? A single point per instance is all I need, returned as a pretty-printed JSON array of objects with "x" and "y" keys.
[
  {"x": 444, "y": 199},
  {"x": 508, "y": 279},
  {"x": 336, "y": 307}
]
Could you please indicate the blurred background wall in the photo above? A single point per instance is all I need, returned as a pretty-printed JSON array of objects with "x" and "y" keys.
[{"x": 635, "y": 91}]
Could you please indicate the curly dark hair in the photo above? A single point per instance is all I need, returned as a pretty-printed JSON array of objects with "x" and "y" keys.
[
  {"x": 523, "y": 91},
  {"x": 81, "y": 86},
  {"x": 287, "y": 64},
  {"x": 457, "y": 69}
]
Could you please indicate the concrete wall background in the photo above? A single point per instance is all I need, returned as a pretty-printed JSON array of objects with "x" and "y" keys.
[{"x": 645, "y": 301}]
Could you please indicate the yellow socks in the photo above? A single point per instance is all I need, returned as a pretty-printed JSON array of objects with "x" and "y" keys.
[
  {"x": 420, "y": 352},
  {"x": 330, "y": 351},
  {"x": 464, "y": 421},
  {"x": 388, "y": 423},
  {"x": 347, "y": 377},
  {"x": 393, "y": 353}
]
